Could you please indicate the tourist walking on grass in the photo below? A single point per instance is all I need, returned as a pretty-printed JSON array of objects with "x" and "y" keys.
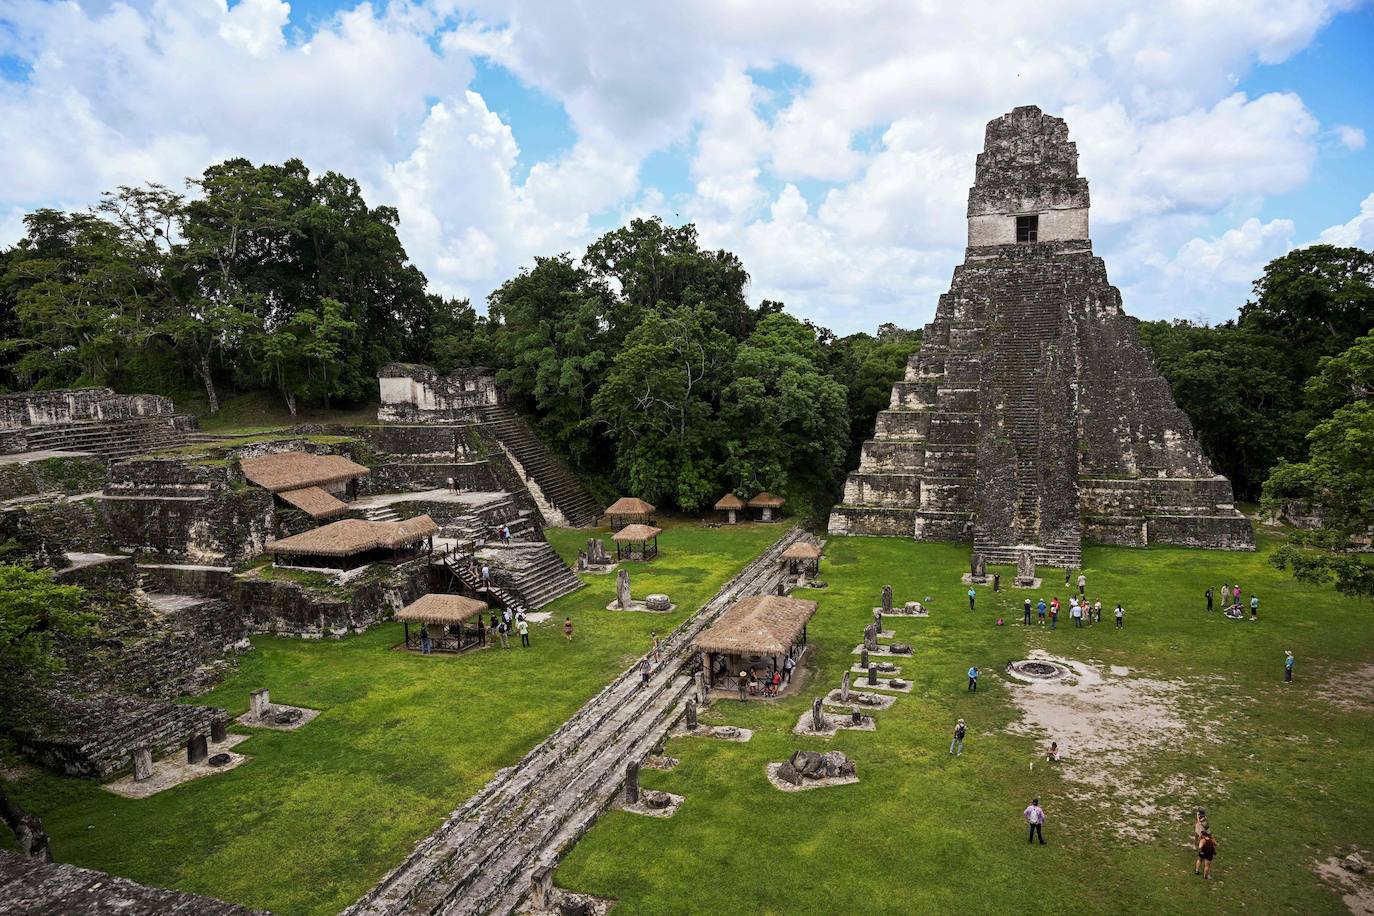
[
  {"x": 502, "y": 631},
  {"x": 1054, "y": 614},
  {"x": 424, "y": 639},
  {"x": 1120, "y": 616},
  {"x": 1235, "y": 594},
  {"x": 1206, "y": 849},
  {"x": 1025, "y": 614},
  {"x": 567, "y": 628},
  {"x": 971, "y": 596},
  {"x": 958, "y": 741},
  {"x": 1287, "y": 666},
  {"x": 973, "y": 679},
  {"x": 1035, "y": 817},
  {"x": 1082, "y": 584},
  {"x": 524, "y": 629},
  {"x": 1209, "y": 597},
  {"x": 1040, "y": 611},
  {"x": 1097, "y": 611},
  {"x": 1254, "y": 607},
  {"x": 1076, "y": 612},
  {"x": 996, "y": 582},
  {"x": 1200, "y": 825}
]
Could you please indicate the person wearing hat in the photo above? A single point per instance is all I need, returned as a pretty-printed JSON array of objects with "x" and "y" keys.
[
  {"x": 1287, "y": 666},
  {"x": 958, "y": 741}
]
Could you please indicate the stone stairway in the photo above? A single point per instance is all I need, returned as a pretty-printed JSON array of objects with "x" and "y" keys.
[
  {"x": 531, "y": 569},
  {"x": 381, "y": 514},
  {"x": 482, "y": 858},
  {"x": 470, "y": 580},
  {"x": 114, "y": 439},
  {"x": 558, "y": 485}
]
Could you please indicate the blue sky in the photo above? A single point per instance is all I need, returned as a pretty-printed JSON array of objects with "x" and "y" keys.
[{"x": 830, "y": 147}]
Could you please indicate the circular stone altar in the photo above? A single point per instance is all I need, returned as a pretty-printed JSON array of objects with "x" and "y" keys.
[
  {"x": 1037, "y": 670},
  {"x": 658, "y": 602}
]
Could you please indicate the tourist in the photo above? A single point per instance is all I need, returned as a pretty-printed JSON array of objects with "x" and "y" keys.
[
  {"x": 971, "y": 596},
  {"x": 505, "y": 615},
  {"x": 777, "y": 682},
  {"x": 1225, "y": 594},
  {"x": 1206, "y": 849},
  {"x": 494, "y": 620},
  {"x": 1120, "y": 616},
  {"x": 644, "y": 667},
  {"x": 1053, "y": 755},
  {"x": 658, "y": 654},
  {"x": 1040, "y": 611},
  {"x": 788, "y": 664},
  {"x": 481, "y": 631},
  {"x": 1076, "y": 613},
  {"x": 1097, "y": 611},
  {"x": 1054, "y": 614},
  {"x": 1025, "y": 613},
  {"x": 505, "y": 534},
  {"x": 1209, "y": 597},
  {"x": 1035, "y": 817},
  {"x": 1200, "y": 825},
  {"x": 1067, "y": 573},
  {"x": 1254, "y": 607},
  {"x": 567, "y": 628},
  {"x": 1287, "y": 666},
  {"x": 743, "y": 686},
  {"x": 1082, "y": 584},
  {"x": 958, "y": 741},
  {"x": 502, "y": 631},
  {"x": 524, "y": 629},
  {"x": 1235, "y": 594},
  {"x": 996, "y": 582},
  {"x": 424, "y": 639},
  {"x": 973, "y": 679},
  {"x": 486, "y": 576},
  {"x": 449, "y": 481}
]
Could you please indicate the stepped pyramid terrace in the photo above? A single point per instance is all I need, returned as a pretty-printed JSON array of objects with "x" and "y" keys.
[{"x": 1032, "y": 417}]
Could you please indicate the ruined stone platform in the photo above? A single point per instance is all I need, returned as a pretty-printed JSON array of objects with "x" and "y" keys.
[{"x": 173, "y": 770}]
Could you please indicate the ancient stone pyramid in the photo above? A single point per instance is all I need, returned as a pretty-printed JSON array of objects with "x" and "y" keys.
[{"x": 1032, "y": 416}]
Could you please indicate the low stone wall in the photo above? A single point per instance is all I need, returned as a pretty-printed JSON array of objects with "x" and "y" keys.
[
  {"x": 205, "y": 581},
  {"x": 77, "y": 524},
  {"x": 77, "y": 474},
  {"x": 872, "y": 520},
  {"x": 286, "y": 608},
  {"x": 411, "y": 392},
  {"x": 40, "y": 888}
]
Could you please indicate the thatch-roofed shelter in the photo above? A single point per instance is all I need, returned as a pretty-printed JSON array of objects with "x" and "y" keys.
[
  {"x": 628, "y": 510},
  {"x": 315, "y": 484},
  {"x": 457, "y": 622},
  {"x": 730, "y": 505},
  {"x": 768, "y": 506},
  {"x": 803, "y": 556},
  {"x": 636, "y": 542},
  {"x": 354, "y": 542},
  {"x": 758, "y": 630},
  {"x": 314, "y": 502}
]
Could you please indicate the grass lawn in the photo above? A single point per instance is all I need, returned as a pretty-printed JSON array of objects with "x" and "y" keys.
[
  {"x": 1287, "y": 776},
  {"x": 318, "y": 815}
]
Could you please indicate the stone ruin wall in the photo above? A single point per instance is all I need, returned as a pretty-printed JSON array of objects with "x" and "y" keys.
[
  {"x": 413, "y": 393},
  {"x": 77, "y": 405},
  {"x": 284, "y": 608}
]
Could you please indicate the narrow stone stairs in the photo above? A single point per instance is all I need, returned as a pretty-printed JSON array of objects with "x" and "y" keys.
[
  {"x": 532, "y": 569},
  {"x": 113, "y": 440},
  {"x": 528, "y": 816},
  {"x": 559, "y": 485},
  {"x": 381, "y": 514}
]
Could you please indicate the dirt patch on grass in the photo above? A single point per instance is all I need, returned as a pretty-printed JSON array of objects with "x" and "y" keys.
[
  {"x": 1356, "y": 890},
  {"x": 1352, "y": 692},
  {"x": 1112, "y": 730}
]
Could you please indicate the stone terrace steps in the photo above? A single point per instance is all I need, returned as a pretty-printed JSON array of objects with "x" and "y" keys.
[
  {"x": 481, "y": 859},
  {"x": 113, "y": 439},
  {"x": 532, "y": 569},
  {"x": 558, "y": 484}
]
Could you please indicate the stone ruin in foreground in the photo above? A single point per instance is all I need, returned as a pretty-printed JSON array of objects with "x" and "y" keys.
[{"x": 1032, "y": 416}]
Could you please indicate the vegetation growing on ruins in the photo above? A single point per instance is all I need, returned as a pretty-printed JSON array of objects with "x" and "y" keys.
[{"x": 320, "y": 814}]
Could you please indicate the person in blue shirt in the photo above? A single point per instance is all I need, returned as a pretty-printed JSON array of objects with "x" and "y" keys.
[
  {"x": 1254, "y": 607},
  {"x": 1040, "y": 611},
  {"x": 971, "y": 595},
  {"x": 1287, "y": 666},
  {"x": 973, "y": 679}
]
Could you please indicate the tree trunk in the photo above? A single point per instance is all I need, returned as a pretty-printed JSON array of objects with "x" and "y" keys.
[
  {"x": 291, "y": 402},
  {"x": 209, "y": 382},
  {"x": 27, "y": 828}
]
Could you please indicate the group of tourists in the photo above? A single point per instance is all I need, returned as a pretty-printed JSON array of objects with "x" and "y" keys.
[
  {"x": 1081, "y": 611},
  {"x": 1231, "y": 601},
  {"x": 503, "y": 535},
  {"x": 767, "y": 683}
]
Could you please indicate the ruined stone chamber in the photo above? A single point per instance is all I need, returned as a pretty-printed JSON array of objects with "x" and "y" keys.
[{"x": 1033, "y": 417}]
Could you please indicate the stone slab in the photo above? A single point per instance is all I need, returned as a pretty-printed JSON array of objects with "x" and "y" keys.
[
  {"x": 711, "y": 731},
  {"x": 903, "y": 613},
  {"x": 772, "y": 771},
  {"x": 863, "y": 672},
  {"x": 252, "y": 721},
  {"x": 640, "y": 808},
  {"x": 538, "y": 616},
  {"x": 636, "y": 605},
  {"x": 833, "y": 723},
  {"x": 659, "y": 762},
  {"x": 884, "y": 702},
  {"x": 882, "y": 651},
  {"x": 1036, "y": 583},
  {"x": 883, "y": 684},
  {"x": 173, "y": 770}
]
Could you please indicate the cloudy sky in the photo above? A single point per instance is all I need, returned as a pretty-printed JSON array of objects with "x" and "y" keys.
[{"x": 830, "y": 144}]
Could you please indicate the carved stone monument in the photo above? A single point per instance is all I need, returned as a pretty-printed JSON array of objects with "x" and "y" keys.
[
  {"x": 977, "y": 568},
  {"x": 622, "y": 589},
  {"x": 872, "y": 676},
  {"x": 260, "y": 703},
  {"x": 1025, "y": 569},
  {"x": 197, "y": 749},
  {"x": 219, "y": 731},
  {"x": 871, "y": 637},
  {"x": 631, "y": 782},
  {"x": 691, "y": 714},
  {"x": 887, "y": 599},
  {"x": 844, "y": 688},
  {"x": 817, "y": 717},
  {"x": 702, "y": 699},
  {"x": 863, "y": 657},
  {"x": 143, "y": 763}
]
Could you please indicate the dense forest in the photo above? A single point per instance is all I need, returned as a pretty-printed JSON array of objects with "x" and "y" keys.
[{"x": 642, "y": 362}]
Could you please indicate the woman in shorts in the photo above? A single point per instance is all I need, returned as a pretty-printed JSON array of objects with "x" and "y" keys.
[
  {"x": 567, "y": 628},
  {"x": 1206, "y": 849}
]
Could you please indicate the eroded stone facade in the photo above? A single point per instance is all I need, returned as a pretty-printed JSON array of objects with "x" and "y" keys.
[{"x": 1032, "y": 416}]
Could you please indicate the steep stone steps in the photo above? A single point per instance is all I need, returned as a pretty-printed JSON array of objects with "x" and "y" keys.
[
  {"x": 533, "y": 570},
  {"x": 558, "y": 485},
  {"x": 481, "y": 859}
]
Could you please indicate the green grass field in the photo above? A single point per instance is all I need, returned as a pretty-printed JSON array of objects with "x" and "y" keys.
[
  {"x": 1287, "y": 776},
  {"x": 318, "y": 815}
]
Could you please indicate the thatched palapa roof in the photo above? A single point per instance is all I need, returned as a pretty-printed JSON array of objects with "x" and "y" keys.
[
  {"x": 758, "y": 625},
  {"x": 354, "y": 535},
  {"x": 766, "y": 500},
  {"x": 295, "y": 470},
  {"x": 636, "y": 534},
  {"x": 441, "y": 609},
  {"x": 629, "y": 505},
  {"x": 802, "y": 550},
  {"x": 729, "y": 501},
  {"x": 314, "y": 502}
]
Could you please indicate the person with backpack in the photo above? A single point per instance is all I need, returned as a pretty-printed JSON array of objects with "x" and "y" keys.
[
  {"x": 971, "y": 596},
  {"x": 973, "y": 679},
  {"x": 1209, "y": 597},
  {"x": 958, "y": 741},
  {"x": 1040, "y": 609},
  {"x": 1035, "y": 817},
  {"x": 1206, "y": 851},
  {"x": 1120, "y": 616},
  {"x": 1025, "y": 614},
  {"x": 1254, "y": 607},
  {"x": 1082, "y": 584},
  {"x": 502, "y": 629}
]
